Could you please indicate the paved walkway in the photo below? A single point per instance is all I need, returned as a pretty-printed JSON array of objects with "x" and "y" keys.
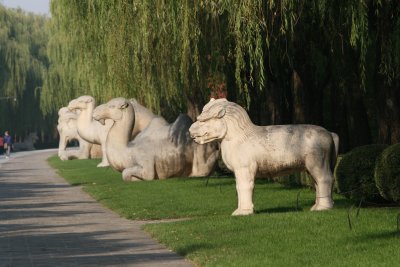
[{"x": 46, "y": 222}]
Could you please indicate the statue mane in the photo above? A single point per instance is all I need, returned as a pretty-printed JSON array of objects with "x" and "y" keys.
[{"x": 233, "y": 113}]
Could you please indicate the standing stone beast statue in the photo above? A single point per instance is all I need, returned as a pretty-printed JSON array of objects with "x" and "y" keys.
[
  {"x": 266, "y": 151},
  {"x": 68, "y": 130}
]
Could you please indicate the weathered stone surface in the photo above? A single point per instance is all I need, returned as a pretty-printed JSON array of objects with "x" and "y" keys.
[
  {"x": 143, "y": 117},
  {"x": 160, "y": 151},
  {"x": 88, "y": 129},
  {"x": 265, "y": 151},
  {"x": 95, "y": 151},
  {"x": 67, "y": 128}
]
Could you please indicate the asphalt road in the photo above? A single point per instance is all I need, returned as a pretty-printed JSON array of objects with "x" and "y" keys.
[{"x": 46, "y": 222}]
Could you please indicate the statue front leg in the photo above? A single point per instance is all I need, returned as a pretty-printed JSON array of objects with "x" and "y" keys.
[
  {"x": 63, "y": 155},
  {"x": 139, "y": 173},
  {"x": 244, "y": 188},
  {"x": 104, "y": 161},
  {"x": 131, "y": 174},
  {"x": 84, "y": 149},
  {"x": 61, "y": 147}
]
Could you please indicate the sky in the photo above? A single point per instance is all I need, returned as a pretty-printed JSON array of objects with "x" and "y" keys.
[{"x": 35, "y": 6}]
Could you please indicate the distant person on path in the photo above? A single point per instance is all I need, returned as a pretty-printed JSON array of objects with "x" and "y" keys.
[
  {"x": 1, "y": 145},
  {"x": 7, "y": 144}
]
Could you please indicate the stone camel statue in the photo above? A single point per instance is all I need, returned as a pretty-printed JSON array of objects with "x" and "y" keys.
[
  {"x": 266, "y": 151},
  {"x": 143, "y": 117},
  {"x": 67, "y": 128},
  {"x": 160, "y": 151},
  {"x": 91, "y": 130}
]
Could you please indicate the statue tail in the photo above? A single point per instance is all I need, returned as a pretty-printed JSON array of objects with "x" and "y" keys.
[{"x": 335, "y": 153}]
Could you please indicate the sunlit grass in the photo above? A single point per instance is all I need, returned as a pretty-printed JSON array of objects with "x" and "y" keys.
[{"x": 283, "y": 232}]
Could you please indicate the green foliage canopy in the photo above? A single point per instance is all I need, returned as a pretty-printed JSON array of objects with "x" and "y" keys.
[
  {"x": 23, "y": 61},
  {"x": 170, "y": 54}
]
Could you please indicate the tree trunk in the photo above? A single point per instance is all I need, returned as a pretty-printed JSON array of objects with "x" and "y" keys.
[
  {"x": 299, "y": 112},
  {"x": 357, "y": 119}
]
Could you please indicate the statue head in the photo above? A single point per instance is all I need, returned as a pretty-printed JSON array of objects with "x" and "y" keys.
[
  {"x": 82, "y": 102},
  {"x": 210, "y": 124},
  {"x": 64, "y": 115},
  {"x": 115, "y": 109},
  {"x": 221, "y": 119}
]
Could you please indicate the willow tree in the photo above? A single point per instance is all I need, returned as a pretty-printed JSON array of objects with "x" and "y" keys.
[
  {"x": 285, "y": 61},
  {"x": 119, "y": 48},
  {"x": 23, "y": 61}
]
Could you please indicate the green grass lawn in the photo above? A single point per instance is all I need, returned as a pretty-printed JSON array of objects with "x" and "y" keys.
[{"x": 283, "y": 232}]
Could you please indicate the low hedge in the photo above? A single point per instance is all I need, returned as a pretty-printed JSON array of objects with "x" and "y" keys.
[
  {"x": 355, "y": 173},
  {"x": 387, "y": 173}
]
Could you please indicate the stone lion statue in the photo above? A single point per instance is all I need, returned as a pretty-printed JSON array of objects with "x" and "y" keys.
[
  {"x": 67, "y": 128},
  {"x": 266, "y": 151},
  {"x": 27, "y": 144},
  {"x": 160, "y": 151}
]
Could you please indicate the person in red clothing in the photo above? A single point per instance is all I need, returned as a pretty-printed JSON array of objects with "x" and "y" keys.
[{"x": 1, "y": 145}]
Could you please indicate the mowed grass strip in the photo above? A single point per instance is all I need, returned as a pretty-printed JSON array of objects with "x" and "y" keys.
[
  {"x": 286, "y": 239},
  {"x": 175, "y": 197},
  {"x": 282, "y": 233}
]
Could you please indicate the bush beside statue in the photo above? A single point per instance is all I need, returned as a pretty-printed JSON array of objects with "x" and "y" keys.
[
  {"x": 355, "y": 173},
  {"x": 265, "y": 151},
  {"x": 387, "y": 173}
]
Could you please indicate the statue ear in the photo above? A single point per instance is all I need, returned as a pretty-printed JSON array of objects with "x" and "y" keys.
[
  {"x": 87, "y": 100},
  {"x": 124, "y": 105},
  {"x": 221, "y": 113}
]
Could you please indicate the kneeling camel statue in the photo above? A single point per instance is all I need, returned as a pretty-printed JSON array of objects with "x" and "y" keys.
[
  {"x": 266, "y": 151},
  {"x": 160, "y": 151}
]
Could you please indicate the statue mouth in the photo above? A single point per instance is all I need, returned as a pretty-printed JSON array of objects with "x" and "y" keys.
[
  {"x": 202, "y": 139},
  {"x": 198, "y": 140},
  {"x": 102, "y": 121}
]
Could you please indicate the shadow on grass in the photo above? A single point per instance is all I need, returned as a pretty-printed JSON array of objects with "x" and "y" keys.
[
  {"x": 379, "y": 236},
  {"x": 279, "y": 210},
  {"x": 192, "y": 248}
]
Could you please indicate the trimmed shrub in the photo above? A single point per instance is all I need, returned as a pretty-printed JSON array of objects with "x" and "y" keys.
[
  {"x": 355, "y": 173},
  {"x": 387, "y": 173}
]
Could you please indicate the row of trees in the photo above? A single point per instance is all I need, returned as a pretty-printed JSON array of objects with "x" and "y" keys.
[
  {"x": 334, "y": 64},
  {"x": 23, "y": 63},
  {"x": 330, "y": 63}
]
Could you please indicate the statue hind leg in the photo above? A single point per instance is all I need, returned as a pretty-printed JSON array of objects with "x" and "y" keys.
[{"x": 323, "y": 177}]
